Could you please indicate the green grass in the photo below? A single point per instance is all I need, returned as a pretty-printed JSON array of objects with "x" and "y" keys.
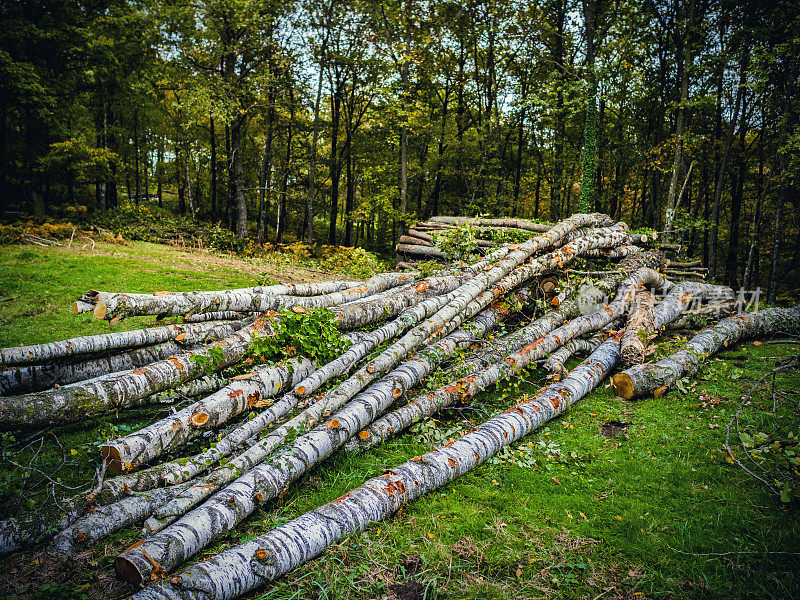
[{"x": 567, "y": 513}]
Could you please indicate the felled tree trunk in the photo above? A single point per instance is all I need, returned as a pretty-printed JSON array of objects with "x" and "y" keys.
[
  {"x": 633, "y": 341},
  {"x": 78, "y": 401},
  {"x": 423, "y": 251},
  {"x": 505, "y": 223},
  {"x": 246, "y": 567},
  {"x": 119, "y": 340},
  {"x": 119, "y": 306},
  {"x": 612, "y": 253},
  {"x": 132, "y": 451},
  {"x": 36, "y": 378},
  {"x": 657, "y": 378},
  {"x": 266, "y": 480}
]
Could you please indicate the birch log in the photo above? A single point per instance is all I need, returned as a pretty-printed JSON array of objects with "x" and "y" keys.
[
  {"x": 118, "y": 340},
  {"x": 139, "y": 448},
  {"x": 640, "y": 324},
  {"x": 657, "y": 378},
  {"x": 119, "y": 306},
  {"x": 504, "y": 223},
  {"x": 78, "y": 401},
  {"x": 244, "y": 568},
  {"x": 612, "y": 253},
  {"x": 36, "y": 378},
  {"x": 195, "y": 529}
]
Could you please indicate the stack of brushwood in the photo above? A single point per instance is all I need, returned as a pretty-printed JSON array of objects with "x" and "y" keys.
[
  {"x": 433, "y": 239},
  {"x": 273, "y": 421}
]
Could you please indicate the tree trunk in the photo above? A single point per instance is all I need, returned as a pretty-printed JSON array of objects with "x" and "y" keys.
[
  {"x": 684, "y": 47},
  {"x": 213, "y": 141},
  {"x": 335, "y": 169},
  {"x": 657, "y": 378},
  {"x": 723, "y": 165},
  {"x": 246, "y": 567}
]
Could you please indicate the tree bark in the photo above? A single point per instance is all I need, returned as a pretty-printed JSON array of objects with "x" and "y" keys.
[
  {"x": 640, "y": 323},
  {"x": 246, "y": 567},
  {"x": 657, "y": 378}
]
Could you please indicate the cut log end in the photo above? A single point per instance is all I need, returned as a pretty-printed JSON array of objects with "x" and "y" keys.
[
  {"x": 199, "y": 419},
  {"x": 623, "y": 385},
  {"x": 112, "y": 459},
  {"x": 100, "y": 310},
  {"x": 128, "y": 571}
]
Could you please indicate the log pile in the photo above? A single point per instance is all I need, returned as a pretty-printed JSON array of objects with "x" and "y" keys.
[
  {"x": 276, "y": 418},
  {"x": 427, "y": 240}
]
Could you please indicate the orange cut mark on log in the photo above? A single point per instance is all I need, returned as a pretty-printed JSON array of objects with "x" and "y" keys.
[
  {"x": 235, "y": 394},
  {"x": 253, "y": 398},
  {"x": 364, "y": 434},
  {"x": 243, "y": 376},
  {"x": 176, "y": 425},
  {"x": 422, "y": 286},
  {"x": 261, "y": 554},
  {"x": 199, "y": 418},
  {"x": 180, "y": 337},
  {"x": 160, "y": 293},
  {"x": 452, "y": 462},
  {"x": 135, "y": 545},
  {"x": 177, "y": 362},
  {"x": 555, "y": 403},
  {"x": 333, "y": 423}
]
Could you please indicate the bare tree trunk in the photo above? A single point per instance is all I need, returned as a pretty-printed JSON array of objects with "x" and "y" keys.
[
  {"x": 673, "y": 198},
  {"x": 723, "y": 166}
]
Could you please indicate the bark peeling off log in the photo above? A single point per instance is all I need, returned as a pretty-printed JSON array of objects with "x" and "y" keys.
[
  {"x": 657, "y": 378},
  {"x": 246, "y": 567},
  {"x": 640, "y": 323}
]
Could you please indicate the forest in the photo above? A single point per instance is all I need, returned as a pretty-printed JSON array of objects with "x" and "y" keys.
[
  {"x": 342, "y": 122},
  {"x": 397, "y": 299}
]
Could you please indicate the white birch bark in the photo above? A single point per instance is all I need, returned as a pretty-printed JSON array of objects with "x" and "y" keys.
[
  {"x": 113, "y": 306},
  {"x": 128, "y": 453},
  {"x": 247, "y": 567},
  {"x": 65, "y": 405},
  {"x": 36, "y": 378},
  {"x": 119, "y": 340},
  {"x": 657, "y": 378}
]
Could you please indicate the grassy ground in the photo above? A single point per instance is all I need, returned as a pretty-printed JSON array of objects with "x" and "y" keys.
[{"x": 656, "y": 511}]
